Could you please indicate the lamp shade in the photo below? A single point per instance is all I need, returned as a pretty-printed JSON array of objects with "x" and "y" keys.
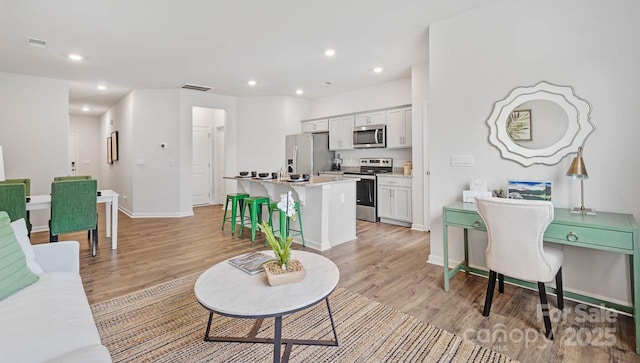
[
  {"x": 577, "y": 170},
  {"x": 2, "y": 178}
]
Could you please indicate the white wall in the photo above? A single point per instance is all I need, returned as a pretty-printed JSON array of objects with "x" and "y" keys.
[
  {"x": 261, "y": 133},
  {"x": 89, "y": 145},
  {"x": 156, "y": 120},
  {"x": 420, "y": 147},
  {"x": 382, "y": 95},
  {"x": 295, "y": 110},
  {"x": 34, "y": 124},
  {"x": 119, "y": 175},
  {"x": 478, "y": 57}
]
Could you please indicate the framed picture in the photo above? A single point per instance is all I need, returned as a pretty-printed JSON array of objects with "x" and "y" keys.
[
  {"x": 530, "y": 189},
  {"x": 519, "y": 125},
  {"x": 114, "y": 146},
  {"x": 109, "y": 151}
]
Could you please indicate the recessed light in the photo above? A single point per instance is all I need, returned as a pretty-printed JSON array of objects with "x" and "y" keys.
[
  {"x": 252, "y": 83},
  {"x": 329, "y": 52},
  {"x": 102, "y": 87},
  {"x": 378, "y": 70},
  {"x": 299, "y": 91},
  {"x": 76, "y": 57},
  {"x": 86, "y": 109}
]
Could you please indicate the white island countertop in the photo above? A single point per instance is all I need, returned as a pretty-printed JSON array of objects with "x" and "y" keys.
[{"x": 314, "y": 181}]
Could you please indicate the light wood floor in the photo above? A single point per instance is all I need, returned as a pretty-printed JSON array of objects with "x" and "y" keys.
[{"x": 386, "y": 263}]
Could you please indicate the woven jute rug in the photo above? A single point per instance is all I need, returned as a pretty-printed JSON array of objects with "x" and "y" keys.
[{"x": 165, "y": 323}]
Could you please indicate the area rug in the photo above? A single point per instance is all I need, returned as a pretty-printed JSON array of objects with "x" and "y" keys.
[{"x": 165, "y": 323}]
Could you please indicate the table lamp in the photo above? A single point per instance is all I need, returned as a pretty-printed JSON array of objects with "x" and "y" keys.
[
  {"x": 2, "y": 178},
  {"x": 577, "y": 170}
]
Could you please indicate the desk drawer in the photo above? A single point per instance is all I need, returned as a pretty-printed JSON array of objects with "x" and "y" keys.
[
  {"x": 465, "y": 220},
  {"x": 601, "y": 237}
]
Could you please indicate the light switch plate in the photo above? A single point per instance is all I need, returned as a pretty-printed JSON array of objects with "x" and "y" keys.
[{"x": 461, "y": 160}]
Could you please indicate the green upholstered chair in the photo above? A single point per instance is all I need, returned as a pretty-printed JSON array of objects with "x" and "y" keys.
[
  {"x": 73, "y": 209},
  {"x": 25, "y": 181},
  {"x": 72, "y": 177},
  {"x": 13, "y": 201},
  {"x": 27, "y": 191}
]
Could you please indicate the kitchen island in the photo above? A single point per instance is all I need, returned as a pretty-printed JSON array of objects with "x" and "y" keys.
[{"x": 327, "y": 206}]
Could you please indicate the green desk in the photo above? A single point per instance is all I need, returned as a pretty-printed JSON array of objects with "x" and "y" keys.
[{"x": 612, "y": 232}]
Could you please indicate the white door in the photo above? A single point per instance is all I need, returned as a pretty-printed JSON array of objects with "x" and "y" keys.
[
  {"x": 219, "y": 189},
  {"x": 72, "y": 154},
  {"x": 201, "y": 160}
]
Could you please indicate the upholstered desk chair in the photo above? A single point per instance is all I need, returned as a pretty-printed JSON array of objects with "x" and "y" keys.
[
  {"x": 515, "y": 230},
  {"x": 73, "y": 209}
]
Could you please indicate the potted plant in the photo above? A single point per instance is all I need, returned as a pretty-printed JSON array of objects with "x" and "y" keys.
[{"x": 282, "y": 269}]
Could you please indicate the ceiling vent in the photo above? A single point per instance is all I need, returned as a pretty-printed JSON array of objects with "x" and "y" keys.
[
  {"x": 37, "y": 43},
  {"x": 195, "y": 87}
]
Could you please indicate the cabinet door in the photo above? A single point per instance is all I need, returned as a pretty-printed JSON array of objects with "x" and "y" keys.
[
  {"x": 399, "y": 128},
  {"x": 401, "y": 200},
  {"x": 408, "y": 119},
  {"x": 377, "y": 118},
  {"x": 395, "y": 128},
  {"x": 384, "y": 202},
  {"x": 321, "y": 125},
  {"x": 362, "y": 119},
  {"x": 373, "y": 118},
  {"x": 341, "y": 133},
  {"x": 308, "y": 126}
]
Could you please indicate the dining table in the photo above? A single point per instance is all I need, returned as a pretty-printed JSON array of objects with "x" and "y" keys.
[{"x": 107, "y": 196}]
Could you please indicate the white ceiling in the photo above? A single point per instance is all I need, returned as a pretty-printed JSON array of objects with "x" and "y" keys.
[{"x": 145, "y": 44}]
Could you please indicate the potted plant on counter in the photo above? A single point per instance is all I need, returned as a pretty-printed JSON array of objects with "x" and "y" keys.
[{"x": 282, "y": 269}]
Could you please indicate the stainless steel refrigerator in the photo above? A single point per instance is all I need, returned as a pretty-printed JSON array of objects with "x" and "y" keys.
[{"x": 308, "y": 153}]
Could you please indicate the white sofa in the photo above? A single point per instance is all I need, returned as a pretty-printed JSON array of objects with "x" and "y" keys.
[{"x": 50, "y": 320}]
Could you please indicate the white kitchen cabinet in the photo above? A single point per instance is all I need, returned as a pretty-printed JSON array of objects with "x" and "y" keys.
[
  {"x": 394, "y": 200},
  {"x": 399, "y": 128},
  {"x": 315, "y": 126},
  {"x": 372, "y": 118},
  {"x": 341, "y": 133}
]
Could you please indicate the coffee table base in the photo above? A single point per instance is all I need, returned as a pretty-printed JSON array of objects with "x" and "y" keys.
[{"x": 277, "y": 340}]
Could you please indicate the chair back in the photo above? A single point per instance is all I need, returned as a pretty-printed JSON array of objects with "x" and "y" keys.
[
  {"x": 72, "y": 177},
  {"x": 25, "y": 181},
  {"x": 515, "y": 230},
  {"x": 13, "y": 200},
  {"x": 73, "y": 206}
]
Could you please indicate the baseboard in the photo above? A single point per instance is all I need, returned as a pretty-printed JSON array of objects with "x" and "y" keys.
[
  {"x": 162, "y": 215},
  {"x": 418, "y": 227}
]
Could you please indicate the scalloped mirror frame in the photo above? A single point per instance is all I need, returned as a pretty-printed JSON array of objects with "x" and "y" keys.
[{"x": 579, "y": 126}]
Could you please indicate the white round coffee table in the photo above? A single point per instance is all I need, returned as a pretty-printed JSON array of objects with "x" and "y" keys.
[{"x": 226, "y": 290}]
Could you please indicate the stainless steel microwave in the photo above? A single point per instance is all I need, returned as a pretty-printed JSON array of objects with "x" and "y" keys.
[{"x": 370, "y": 136}]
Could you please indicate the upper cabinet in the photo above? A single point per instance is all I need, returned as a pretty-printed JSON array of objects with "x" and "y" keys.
[
  {"x": 315, "y": 125},
  {"x": 399, "y": 128},
  {"x": 372, "y": 118},
  {"x": 341, "y": 133}
]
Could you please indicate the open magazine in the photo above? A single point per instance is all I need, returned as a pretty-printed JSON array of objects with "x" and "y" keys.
[{"x": 250, "y": 263}]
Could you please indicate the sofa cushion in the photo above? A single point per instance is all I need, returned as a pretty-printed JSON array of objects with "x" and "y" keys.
[
  {"x": 22, "y": 235},
  {"x": 14, "y": 273},
  {"x": 47, "y": 320}
]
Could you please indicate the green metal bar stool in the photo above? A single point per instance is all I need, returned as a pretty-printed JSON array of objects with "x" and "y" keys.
[
  {"x": 235, "y": 199},
  {"x": 255, "y": 213},
  {"x": 284, "y": 221}
]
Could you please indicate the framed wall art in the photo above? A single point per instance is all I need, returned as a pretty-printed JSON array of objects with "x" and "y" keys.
[
  {"x": 109, "y": 151},
  {"x": 114, "y": 146}
]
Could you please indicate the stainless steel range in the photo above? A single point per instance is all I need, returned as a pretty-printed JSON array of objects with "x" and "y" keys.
[{"x": 366, "y": 191}]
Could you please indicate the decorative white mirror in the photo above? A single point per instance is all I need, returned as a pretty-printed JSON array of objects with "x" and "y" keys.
[{"x": 540, "y": 124}]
